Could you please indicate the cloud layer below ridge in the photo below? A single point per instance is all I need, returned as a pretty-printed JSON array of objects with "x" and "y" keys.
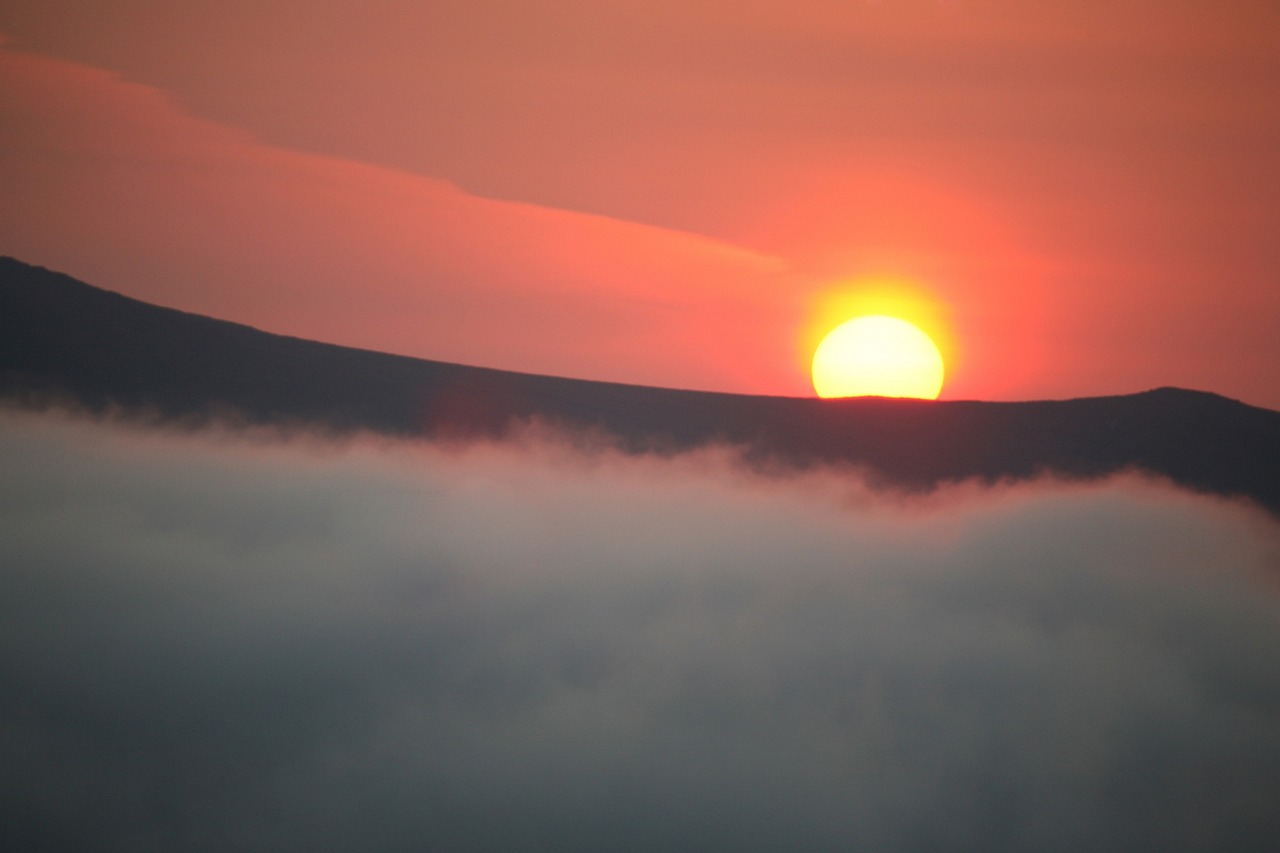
[{"x": 213, "y": 642}]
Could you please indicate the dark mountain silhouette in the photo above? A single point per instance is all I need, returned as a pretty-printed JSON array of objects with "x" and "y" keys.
[{"x": 61, "y": 339}]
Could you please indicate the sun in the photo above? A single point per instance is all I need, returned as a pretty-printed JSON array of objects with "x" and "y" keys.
[{"x": 878, "y": 356}]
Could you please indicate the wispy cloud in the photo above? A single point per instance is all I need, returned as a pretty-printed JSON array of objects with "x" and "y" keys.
[
  {"x": 111, "y": 181},
  {"x": 212, "y": 642}
]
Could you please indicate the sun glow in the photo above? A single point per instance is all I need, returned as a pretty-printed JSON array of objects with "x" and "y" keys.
[{"x": 880, "y": 356}]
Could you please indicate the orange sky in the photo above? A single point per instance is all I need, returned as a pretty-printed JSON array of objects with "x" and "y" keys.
[{"x": 1074, "y": 197}]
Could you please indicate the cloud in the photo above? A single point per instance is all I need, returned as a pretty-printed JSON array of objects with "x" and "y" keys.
[
  {"x": 111, "y": 181},
  {"x": 223, "y": 642}
]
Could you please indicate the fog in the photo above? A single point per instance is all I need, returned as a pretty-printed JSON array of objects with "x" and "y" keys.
[{"x": 233, "y": 640}]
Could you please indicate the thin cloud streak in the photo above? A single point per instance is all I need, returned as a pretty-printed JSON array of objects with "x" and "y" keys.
[
  {"x": 111, "y": 181},
  {"x": 219, "y": 642}
]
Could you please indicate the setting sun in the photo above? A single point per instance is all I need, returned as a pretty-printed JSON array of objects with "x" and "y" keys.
[{"x": 877, "y": 356}]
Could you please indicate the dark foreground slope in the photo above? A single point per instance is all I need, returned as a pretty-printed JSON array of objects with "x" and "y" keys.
[{"x": 60, "y": 338}]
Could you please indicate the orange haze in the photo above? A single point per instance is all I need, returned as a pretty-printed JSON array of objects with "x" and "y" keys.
[{"x": 1071, "y": 198}]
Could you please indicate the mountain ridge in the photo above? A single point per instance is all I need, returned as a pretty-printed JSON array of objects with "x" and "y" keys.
[{"x": 62, "y": 338}]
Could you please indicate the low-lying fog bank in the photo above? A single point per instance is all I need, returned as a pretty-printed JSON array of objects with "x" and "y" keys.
[{"x": 226, "y": 641}]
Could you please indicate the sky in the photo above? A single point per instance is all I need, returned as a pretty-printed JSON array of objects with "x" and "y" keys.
[
  {"x": 1074, "y": 198},
  {"x": 254, "y": 640}
]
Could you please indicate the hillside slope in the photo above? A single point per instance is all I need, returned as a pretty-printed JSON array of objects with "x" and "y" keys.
[{"x": 63, "y": 339}]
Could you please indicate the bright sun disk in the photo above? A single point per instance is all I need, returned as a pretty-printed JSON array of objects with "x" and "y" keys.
[{"x": 879, "y": 356}]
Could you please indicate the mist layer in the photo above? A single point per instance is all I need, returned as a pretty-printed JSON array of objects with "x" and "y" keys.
[{"x": 225, "y": 642}]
